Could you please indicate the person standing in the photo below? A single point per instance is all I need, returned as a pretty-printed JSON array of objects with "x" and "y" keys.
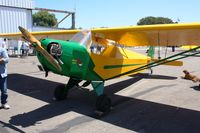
[
  {"x": 3, "y": 77},
  {"x": 4, "y": 44}
]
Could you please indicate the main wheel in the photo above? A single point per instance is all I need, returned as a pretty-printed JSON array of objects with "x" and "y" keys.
[
  {"x": 60, "y": 92},
  {"x": 103, "y": 103}
]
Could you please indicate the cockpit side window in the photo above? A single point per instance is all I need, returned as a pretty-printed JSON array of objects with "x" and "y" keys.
[{"x": 96, "y": 48}]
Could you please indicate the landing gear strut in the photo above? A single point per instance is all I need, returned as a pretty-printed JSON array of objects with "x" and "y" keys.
[{"x": 103, "y": 103}]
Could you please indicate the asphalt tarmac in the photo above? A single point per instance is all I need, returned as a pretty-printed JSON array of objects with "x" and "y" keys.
[{"x": 162, "y": 102}]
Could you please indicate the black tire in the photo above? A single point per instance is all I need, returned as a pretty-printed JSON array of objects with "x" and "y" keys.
[
  {"x": 60, "y": 92},
  {"x": 103, "y": 103}
]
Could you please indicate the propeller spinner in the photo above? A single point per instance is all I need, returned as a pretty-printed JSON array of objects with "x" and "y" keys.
[{"x": 30, "y": 38}]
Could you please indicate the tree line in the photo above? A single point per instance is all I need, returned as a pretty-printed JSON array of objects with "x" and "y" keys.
[{"x": 44, "y": 18}]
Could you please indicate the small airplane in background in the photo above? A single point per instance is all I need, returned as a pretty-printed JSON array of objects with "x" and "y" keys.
[{"x": 96, "y": 55}]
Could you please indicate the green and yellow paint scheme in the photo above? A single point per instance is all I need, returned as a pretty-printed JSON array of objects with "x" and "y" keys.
[
  {"x": 79, "y": 62},
  {"x": 98, "y": 55}
]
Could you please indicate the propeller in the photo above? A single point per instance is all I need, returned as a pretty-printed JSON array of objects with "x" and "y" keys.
[{"x": 30, "y": 38}]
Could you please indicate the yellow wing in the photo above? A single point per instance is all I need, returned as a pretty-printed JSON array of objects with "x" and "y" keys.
[
  {"x": 157, "y": 35},
  {"x": 60, "y": 34}
]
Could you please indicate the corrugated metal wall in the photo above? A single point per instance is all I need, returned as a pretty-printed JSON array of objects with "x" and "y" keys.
[
  {"x": 18, "y": 3},
  {"x": 14, "y": 13},
  {"x": 11, "y": 18}
]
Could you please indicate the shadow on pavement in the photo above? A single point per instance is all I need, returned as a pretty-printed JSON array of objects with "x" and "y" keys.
[
  {"x": 3, "y": 125},
  {"x": 133, "y": 114},
  {"x": 197, "y": 87}
]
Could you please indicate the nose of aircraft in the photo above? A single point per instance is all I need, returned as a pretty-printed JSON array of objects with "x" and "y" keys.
[{"x": 37, "y": 45}]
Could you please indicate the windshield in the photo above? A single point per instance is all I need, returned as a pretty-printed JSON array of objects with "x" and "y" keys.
[{"x": 83, "y": 37}]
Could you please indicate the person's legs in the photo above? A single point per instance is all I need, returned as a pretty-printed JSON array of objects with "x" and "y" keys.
[{"x": 3, "y": 87}]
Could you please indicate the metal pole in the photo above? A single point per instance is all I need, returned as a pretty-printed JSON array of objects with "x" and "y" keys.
[
  {"x": 73, "y": 21},
  {"x": 62, "y": 20}
]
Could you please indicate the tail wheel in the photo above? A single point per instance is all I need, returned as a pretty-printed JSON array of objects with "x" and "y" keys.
[
  {"x": 60, "y": 92},
  {"x": 103, "y": 103}
]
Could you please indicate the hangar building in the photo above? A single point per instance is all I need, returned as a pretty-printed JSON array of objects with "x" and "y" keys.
[
  {"x": 14, "y": 13},
  {"x": 19, "y": 12}
]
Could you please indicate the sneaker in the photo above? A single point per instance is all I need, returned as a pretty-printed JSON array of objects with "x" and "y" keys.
[{"x": 5, "y": 106}]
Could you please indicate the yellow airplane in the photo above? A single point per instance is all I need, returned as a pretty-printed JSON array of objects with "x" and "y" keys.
[{"x": 98, "y": 55}]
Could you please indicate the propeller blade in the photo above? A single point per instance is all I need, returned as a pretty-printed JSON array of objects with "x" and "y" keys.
[{"x": 29, "y": 37}]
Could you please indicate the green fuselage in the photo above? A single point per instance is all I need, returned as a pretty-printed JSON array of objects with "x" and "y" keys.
[{"x": 74, "y": 60}]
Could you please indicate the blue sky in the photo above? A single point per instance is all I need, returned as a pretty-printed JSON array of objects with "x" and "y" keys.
[{"x": 114, "y": 13}]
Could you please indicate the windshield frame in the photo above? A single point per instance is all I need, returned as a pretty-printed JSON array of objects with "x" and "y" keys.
[{"x": 83, "y": 37}]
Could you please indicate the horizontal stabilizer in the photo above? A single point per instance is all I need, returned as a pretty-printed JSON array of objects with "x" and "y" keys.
[{"x": 189, "y": 47}]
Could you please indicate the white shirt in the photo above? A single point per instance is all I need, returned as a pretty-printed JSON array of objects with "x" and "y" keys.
[{"x": 3, "y": 45}]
